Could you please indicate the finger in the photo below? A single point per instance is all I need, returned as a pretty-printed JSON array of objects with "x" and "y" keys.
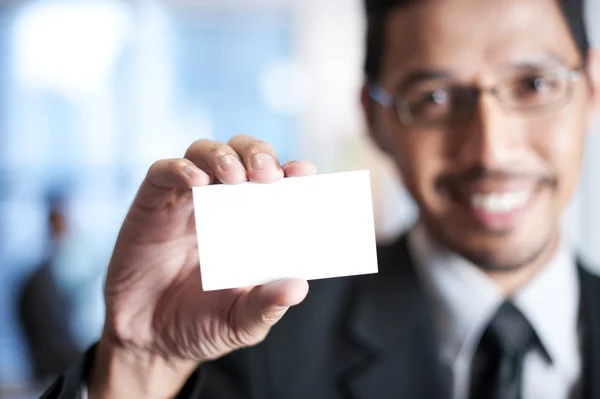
[
  {"x": 299, "y": 169},
  {"x": 218, "y": 160},
  {"x": 259, "y": 158},
  {"x": 165, "y": 178},
  {"x": 264, "y": 306}
]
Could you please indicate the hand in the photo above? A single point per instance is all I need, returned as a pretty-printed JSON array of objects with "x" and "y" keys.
[{"x": 159, "y": 323}]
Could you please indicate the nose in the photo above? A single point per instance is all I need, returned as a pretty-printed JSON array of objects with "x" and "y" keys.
[{"x": 490, "y": 138}]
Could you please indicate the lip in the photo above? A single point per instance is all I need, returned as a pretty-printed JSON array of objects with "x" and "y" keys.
[{"x": 492, "y": 186}]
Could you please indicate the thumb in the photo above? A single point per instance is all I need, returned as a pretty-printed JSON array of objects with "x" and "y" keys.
[{"x": 264, "y": 306}]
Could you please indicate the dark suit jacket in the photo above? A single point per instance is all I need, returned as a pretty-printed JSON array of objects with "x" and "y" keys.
[
  {"x": 43, "y": 318},
  {"x": 365, "y": 337}
]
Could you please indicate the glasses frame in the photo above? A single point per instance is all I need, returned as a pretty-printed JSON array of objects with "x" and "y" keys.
[{"x": 387, "y": 100}]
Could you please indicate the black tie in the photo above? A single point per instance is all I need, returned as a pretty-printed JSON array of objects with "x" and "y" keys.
[{"x": 497, "y": 367}]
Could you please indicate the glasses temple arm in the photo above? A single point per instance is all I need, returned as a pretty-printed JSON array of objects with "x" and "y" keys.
[{"x": 381, "y": 96}]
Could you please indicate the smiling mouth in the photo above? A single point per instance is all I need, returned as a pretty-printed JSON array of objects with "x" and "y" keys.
[
  {"x": 499, "y": 209},
  {"x": 500, "y": 202}
]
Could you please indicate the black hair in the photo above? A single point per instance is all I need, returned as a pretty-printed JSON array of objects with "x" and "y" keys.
[{"x": 378, "y": 10}]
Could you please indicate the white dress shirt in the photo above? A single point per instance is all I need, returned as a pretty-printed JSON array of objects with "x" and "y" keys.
[{"x": 464, "y": 300}]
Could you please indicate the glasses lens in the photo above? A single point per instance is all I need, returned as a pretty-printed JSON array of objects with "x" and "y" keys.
[
  {"x": 426, "y": 107},
  {"x": 535, "y": 90},
  {"x": 526, "y": 91}
]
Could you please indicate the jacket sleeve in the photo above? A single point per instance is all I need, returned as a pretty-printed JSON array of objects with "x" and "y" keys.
[
  {"x": 210, "y": 381},
  {"x": 71, "y": 384}
]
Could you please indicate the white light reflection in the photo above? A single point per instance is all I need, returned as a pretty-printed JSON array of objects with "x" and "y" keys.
[{"x": 69, "y": 46}]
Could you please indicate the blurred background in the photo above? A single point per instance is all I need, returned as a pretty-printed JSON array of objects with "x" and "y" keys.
[{"x": 93, "y": 91}]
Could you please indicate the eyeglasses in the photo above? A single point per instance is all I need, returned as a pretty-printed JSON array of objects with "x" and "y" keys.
[{"x": 440, "y": 103}]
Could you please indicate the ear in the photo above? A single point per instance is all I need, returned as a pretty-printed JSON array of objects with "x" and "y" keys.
[
  {"x": 379, "y": 137},
  {"x": 593, "y": 72},
  {"x": 368, "y": 111}
]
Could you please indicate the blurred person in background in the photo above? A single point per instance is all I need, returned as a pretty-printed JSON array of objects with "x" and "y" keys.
[
  {"x": 484, "y": 106},
  {"x": 44, "y": 308}
]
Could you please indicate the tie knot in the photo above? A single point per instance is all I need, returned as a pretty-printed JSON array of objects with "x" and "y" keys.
[{"x": 510, "y": 331}]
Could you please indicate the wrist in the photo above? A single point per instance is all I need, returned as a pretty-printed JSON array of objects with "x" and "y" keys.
[{"x": 118, "y": 372}]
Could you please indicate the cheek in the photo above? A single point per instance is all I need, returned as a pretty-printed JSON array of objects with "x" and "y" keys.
[
  {"x": 562, "y": 145},
  {"x": 567, "y": 142},
  {"x": 419, "y": 156}
]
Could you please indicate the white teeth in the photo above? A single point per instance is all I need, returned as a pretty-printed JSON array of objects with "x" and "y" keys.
[{"x": 501, "y": 202}]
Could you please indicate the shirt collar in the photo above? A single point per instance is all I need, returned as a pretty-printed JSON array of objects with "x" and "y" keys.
[
  {"x": 550, "y": 301},
  {"x": 464, "y": 299}
]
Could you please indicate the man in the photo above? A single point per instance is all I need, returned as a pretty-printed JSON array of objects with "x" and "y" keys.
[
  {"x": 41, "y": 308},
  {"x": 484, "y": 107}
]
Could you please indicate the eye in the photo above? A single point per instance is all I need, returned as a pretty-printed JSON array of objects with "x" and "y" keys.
[
  {"x": 538, "y": 84},
  {"x": 437, "y": 97},
  {"x": 429, "y": 104},
  {"x": 533, "y": 87}
]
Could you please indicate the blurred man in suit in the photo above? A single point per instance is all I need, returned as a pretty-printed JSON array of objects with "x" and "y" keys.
[
  {"x": 484, "y": 106},
  {"x": 44, "y": 308}
]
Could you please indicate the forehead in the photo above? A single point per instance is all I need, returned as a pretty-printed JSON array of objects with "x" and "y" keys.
[{"x": 472, "y": 36}]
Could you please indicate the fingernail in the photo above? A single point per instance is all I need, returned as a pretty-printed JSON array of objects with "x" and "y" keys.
[
  {"x": 288, "y": 164},
  {"x": 230, "y": 162},
  {"x": 263, "y": 161}
]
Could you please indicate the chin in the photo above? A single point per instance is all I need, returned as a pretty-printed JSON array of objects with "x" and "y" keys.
[{"x": 501, "y": 252}]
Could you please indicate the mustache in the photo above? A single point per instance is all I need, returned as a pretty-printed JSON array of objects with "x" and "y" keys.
[{"x": 481, "y": 173}]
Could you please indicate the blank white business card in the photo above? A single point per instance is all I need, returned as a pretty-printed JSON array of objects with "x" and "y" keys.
[{"x": 304, "y": 227}]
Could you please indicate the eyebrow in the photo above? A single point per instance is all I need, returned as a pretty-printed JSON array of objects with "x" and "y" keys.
[
  {"x": 543, "y": 59},
  {"x": 422, "y": 75}
]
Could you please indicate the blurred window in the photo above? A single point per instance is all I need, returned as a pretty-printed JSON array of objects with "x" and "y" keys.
[{"x": 96, "y": 90}]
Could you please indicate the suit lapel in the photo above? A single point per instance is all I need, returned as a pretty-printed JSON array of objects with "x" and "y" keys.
[
  {"x": 391, "y": 324},
  {"x": 590, "y": 318}
]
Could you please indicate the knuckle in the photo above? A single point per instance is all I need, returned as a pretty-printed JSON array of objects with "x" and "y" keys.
[
  {"x": 258, "y": 147},
  {"x": 120, "y": 326},
  {"x": 207, "y": 154},
  {"x": 157, "y": 165},
  {"x": 268, "y": 318},
  {"x": 256, "y": 332},
  {"x": 240, "y": 137},
  {"x": 239, "y": 338},
  {"x": 199, "y": 146},
  {"x": 235, "y": 338},
  {"x": 218, "y": 149},
  {"x": 288, "y": 164},
  {"x": 158, "y": 168},
  {"x": 174, "y": 165},
  {"x": 170, "y": 166},
  {"x": 217, "y": 154}
]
